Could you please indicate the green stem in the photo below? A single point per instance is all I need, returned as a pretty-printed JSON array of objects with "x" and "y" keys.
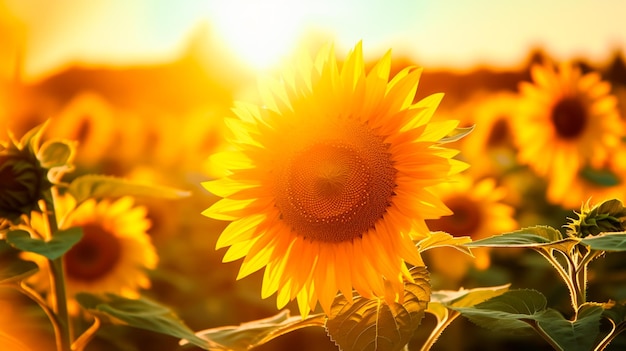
[
  {"x": 565, "y": 275},
  {"x": 57, "y": 277},
  {"x": 82, "y": 341},
  {"x": 436, "y": 333},
  {"x": 56, "y": 324}
]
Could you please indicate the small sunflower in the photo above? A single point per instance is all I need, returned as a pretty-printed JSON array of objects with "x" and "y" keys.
[
  {"x": 596, "y": 184},
  {"x": 490, "y": 149},
  {"x": 329, "y": 182},
  {"x": 479, "y": 212},
  {"x": 112, "y": 255},
  {"x": 89, "y": 119},
  {"x": 565, "y": 121}
]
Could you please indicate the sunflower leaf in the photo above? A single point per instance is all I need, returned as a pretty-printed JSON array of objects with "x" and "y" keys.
[
  {"x": 467, "y": 297},
  {"x": 615, "y": 312},
  {"x": 572, "y": 335},
  {"x": 61, "y": 242},
  {"x": 440, "y": 300},
  {"x": 101, "y": 186},
  {"x": 373, "y": 324},
  {"x": 16, "y": 270},
  {"x": 506, "y": 312},
  {"x": 538, "y": 237},
  {"x": 441, "y": 239},
  {"x": 256, "y": 333},
  {"x": 143, "y": 314},
  {"x": 457, "y": 134},
  {"x": 606, "y": 241}
]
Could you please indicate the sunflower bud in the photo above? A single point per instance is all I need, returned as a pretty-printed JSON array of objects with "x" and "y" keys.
[
  {"x": 22, "y": 182},
  {"x": 608, "y": 216},
  {"x": 23, "y": 175}
]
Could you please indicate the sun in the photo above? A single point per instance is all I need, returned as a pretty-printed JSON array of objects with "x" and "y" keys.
[{"x": 259, "y": 32}]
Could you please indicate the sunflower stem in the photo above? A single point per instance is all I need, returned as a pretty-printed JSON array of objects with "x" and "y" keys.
[
  {"x": 81, "y": 342},
  {"x": 57, "y": 279},
  {"x": 56, "y": 325},
  {"x": 436, "y": 333}
]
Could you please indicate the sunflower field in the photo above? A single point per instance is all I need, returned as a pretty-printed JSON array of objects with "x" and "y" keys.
[{"x": 264, "y": 176}]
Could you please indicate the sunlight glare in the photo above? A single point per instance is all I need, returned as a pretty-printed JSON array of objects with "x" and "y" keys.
[{"x": 259, "y": 32}]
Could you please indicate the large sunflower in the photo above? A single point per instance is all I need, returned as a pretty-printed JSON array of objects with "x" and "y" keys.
[
  {"x": 329, "y": 182},
  {"x": 565, "y": 121},
  {"x": 112, "y": 255}
]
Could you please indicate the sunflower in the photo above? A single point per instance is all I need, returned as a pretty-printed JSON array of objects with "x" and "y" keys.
[
  {"x": 112, "y": 255},
  {"x": 329, "y": 180},
  {"x": 89, "y": 119},
  {"x": 489, "y": 149},
  {"x": 596, "y": 184},
  {"x": 566, "y": 120},
  {"x": 479, "y": 212}
]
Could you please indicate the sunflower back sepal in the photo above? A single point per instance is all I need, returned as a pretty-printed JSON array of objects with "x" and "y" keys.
[
  {"x": 140, "y": 313},
  {"x": 96, "y": 186},
  {"x": 15, "y": 271},
  {"x": 60, "y": 243},
  {"x": 374, "y": 324},
  {"x": 255, "y": 333}
]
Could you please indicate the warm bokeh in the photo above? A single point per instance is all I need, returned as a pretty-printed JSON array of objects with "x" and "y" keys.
[{"x": 143, "y": 88}]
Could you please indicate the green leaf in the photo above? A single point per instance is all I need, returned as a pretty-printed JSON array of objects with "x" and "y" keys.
[
  {"x": 16, "y": 270},
  {"x": 256, "y": 333},
  {"x": 457, "y": 134},
  {"x": 442, "y": 239},
  {"x": 577, "y": 335},
  {"x": 606, "y": 241},
  {"x": 61, "y": 242},
  {"x": 541, "y": 237},
  {"x": 615, "y": 312},
  {"x": 101, "y": 186},
  {"x": 506, "y": 312},
  {"x": 374, "y": 325},
  {"x": 55, "y": 153},
  {"x": 600, "y": 177},
  {"x": 141, "y": 313},
  {"x": 467, "y": 297}
]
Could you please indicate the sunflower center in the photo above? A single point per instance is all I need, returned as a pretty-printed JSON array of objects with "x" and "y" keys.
[
  {"x": 94, "y": 256},
  {"x": 335, "y": 191},
  {"x": 466, "y": 219},
  {"x": 499, "y": 133},
  {"x": 569, "y": 118}
]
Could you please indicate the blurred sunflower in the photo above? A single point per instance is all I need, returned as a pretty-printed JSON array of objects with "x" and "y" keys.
[
  {"x": 565, "y": 121},
  {"x": 598, "y": 184},
  {"x": 329, "y": 182},
  {"x": 112, "y": 255},
  {"x": 490, "y": 148},
  {"x": 89, "y": 119},
  {"x": 479, "y": 212}
]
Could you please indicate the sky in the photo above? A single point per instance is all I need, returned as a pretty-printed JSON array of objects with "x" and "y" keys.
[{"x": 459, "y": 34}]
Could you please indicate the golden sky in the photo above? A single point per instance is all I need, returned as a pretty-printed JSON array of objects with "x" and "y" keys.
[{"x": 443, "y": 33}]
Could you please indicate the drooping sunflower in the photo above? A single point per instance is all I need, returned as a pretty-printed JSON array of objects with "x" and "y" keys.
[
  {"x": 113, "y": 254},
  {"x": 479, "y": 212},
  {"x": 566, "y": 120},
  {"x": 329, "y": 180}
]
